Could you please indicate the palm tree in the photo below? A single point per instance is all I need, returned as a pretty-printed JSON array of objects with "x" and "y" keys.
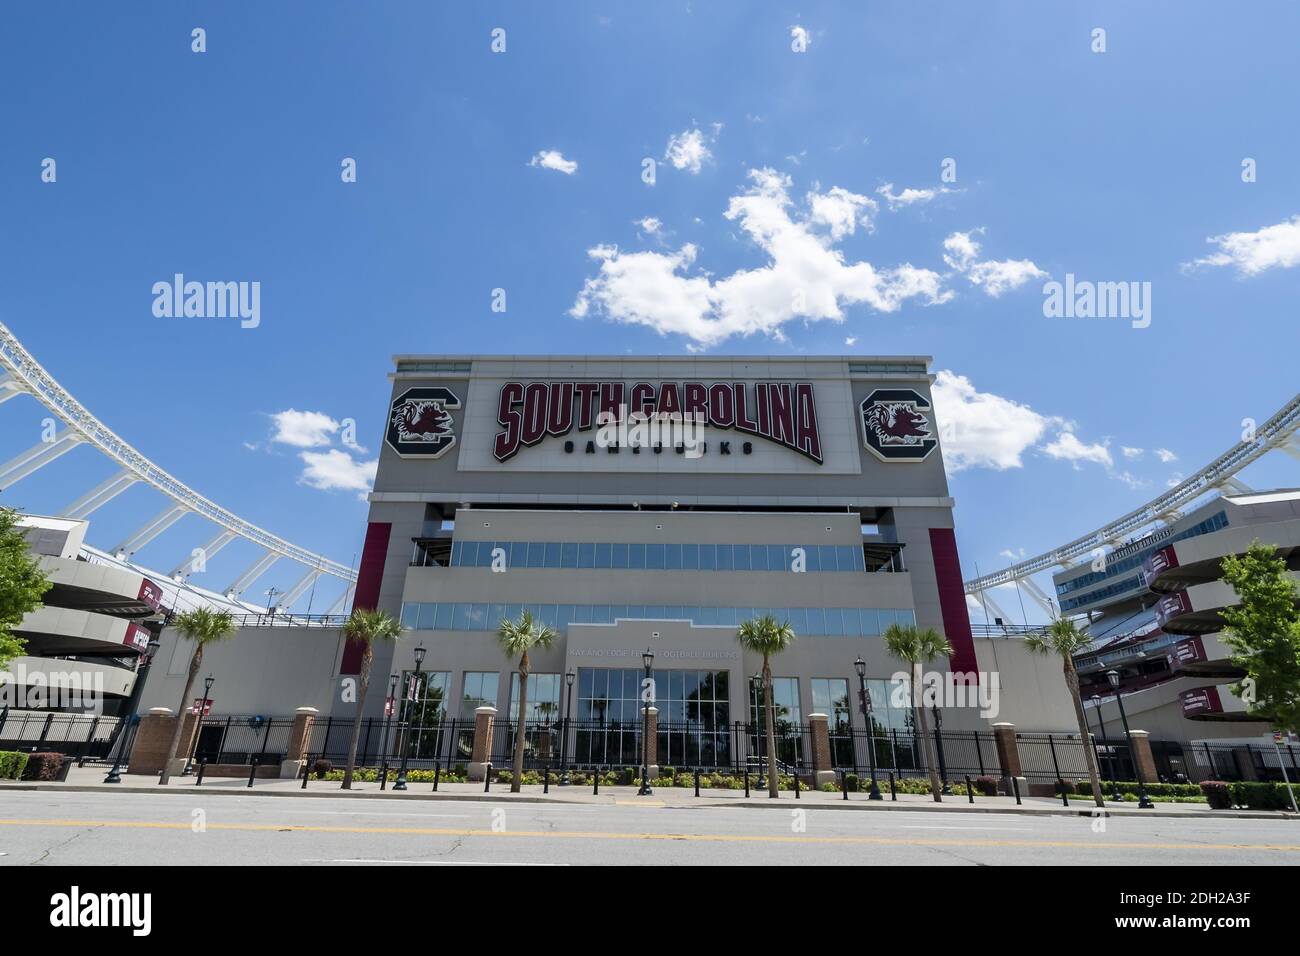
[
  {"x": 1063, "y": 638},
  {"x": 203, "y": 626},
  {"x": 764, "y": 635},
  {"x": 916, "y": 648},
  {"x": 517, "y": 638},
  {"x": 366, "y": 626}
]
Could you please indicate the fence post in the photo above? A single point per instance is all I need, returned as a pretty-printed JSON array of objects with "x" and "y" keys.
[
  {"x": 480, "y": 758},
  {"x": 819, "y": 731},
  {"x": 979, "y": 753},
  {"x": 1004, "y": 735},
  {"x": 1056, "y": 767},
  {"x": 299, "y": 734},
  {"x": 1144, "y": 764}
]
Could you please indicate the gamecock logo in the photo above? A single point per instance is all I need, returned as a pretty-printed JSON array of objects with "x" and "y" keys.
[
  {"x": 420, "y": 423},
  {"x": 895, "y": 426}
]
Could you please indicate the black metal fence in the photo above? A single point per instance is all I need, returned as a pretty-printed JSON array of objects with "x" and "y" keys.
[{"x": 86, "y": 737}]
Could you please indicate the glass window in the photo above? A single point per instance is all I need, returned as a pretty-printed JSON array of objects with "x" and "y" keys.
[
  {"x": 799, "y": 620},
  {"x": 424, "y": 701},
  {"x": 518, "y": 553},
  {"x": 479, "y": 690},
  {"x": 724, "y": 557},
  {"x": 758, "y": 557},
  {"x": 456, "y": 547},
  {"x": 443, "y": 615},
  {"x": 690, "y": 557},
  {"x": 543, "y": 698},
  {"x": 536, "y": 554},
  {"x": 600, "y": 614},
  {"x": 654, "y": 557},
  {"x": 673, "y": 557},
  {"x": 604, "y": 555},
  {"x": 569, "y": 554},
  {"x": 834, "y": 622},
  {"x": 869, "y": 620},
  {"x": 410, "y": 614},
  {"x": 636, "y": 556},
  {"x": 816, "y": 621},
  {"x": 740, "y": 557},
  {"x": 779, "y": 557},
  {"x": 586, "y": 555},
  {"x": 553, "y": 554},
  {"x": 708, "y": 557},
  {"x": 619, "y": 556}
]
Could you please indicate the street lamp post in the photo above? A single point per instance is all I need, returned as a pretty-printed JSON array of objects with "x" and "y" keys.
[
  {"x": 865, "y": 700},
  {"x": 648, "y": 659},
  {"x": 756, "y": 695},
  {"x": 390, "y": 705},
  {"x": 569, "y": 678},
  {"x": 198, "y": 724},
  {"x": 1144, "y": 802},
  {"x": 400, "y": 783},
  {"x": 1101, "y": 723},
  {"x": 124, "y": 731},
  {"x": 938, "y": 739}
]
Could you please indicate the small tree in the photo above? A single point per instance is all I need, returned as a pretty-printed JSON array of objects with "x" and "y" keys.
[
  {"x": 366, "y": 627},
  {"x": 764, "y": 635},
  {"x": 1065, "y": 640},
  {"x": 1264, "y": 632},
  {"x": 517, "y": 638},
  {"x": 22, "y": 584},
  {"x": 916, "y": 648},
  {"x": 203, "y": 626}
]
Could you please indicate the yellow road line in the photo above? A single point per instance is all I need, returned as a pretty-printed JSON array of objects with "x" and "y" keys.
[{"x": 681, "y": 837}]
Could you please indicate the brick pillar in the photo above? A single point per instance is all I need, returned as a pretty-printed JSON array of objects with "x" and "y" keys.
[
  {"x": 152, "y": 738},
  {"x": 652, "y": 742},
  {"x": 482, "y": 752},
  {"x": 296, "y": 749},
  {"x": 1004, "y": 736},
  {"x": 819, "y": 727},
  {"x": 1143, "y": 762}
]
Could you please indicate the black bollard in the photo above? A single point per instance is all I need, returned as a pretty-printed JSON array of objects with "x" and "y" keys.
[
  {"x": 487, "y": 778},
  {"x": 252, "y": 772},
  {"x": 893, "y": 794},
  {"x": 970, "y": 791},
  {"x": 546, "y": 780},
  {"x": 1065, "y": 797},
  {"x": 306, "y": 772},
  {"x": 437, "y": 772},
  {"x": 203, "y": 762},
  {"x": 844, "y": 784},
  {"x": 1015, "y": 787},
  {"x": 383, "y": 776},
  {"x": 697, "y": 781},
  {"x": 746, "y": 781},
  {"x": 595, "y": 786}
]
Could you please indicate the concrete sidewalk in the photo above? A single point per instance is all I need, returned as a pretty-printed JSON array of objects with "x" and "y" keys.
[{"x": 91, "y": 779}]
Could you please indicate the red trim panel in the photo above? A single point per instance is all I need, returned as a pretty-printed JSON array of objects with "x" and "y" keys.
[
  {"x": 952, "y": 600},
  {"x": 370, "y": 577}
]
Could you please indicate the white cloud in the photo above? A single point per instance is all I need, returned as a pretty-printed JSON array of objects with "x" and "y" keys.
[
  {"x": 303, "y": 429},
  {"x": 908, "y": 196},
  {"x": 1175, "y": 479},
  {"x": 961, "y": 252},
  {"x": 840, "y": 210},
  {"x": 650, "y": 225},
  {"x": 805, "y": 277},
  {"x": 980, "y": 429},
  {"x": 1132, "y": 454},
  {"x": 688, "y": 149},
  {"x": 1165, "y": 455},
  {"x": 851, "y": 341},
  {"x": 336, "y": 470},
  {"x": 1254, "y": 252},
  {"x": 554, "y": 159},
  {"x": 1067, "y": 447}
]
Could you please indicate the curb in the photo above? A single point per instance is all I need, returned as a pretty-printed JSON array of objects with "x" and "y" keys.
[{"x": 788, "y": 803}]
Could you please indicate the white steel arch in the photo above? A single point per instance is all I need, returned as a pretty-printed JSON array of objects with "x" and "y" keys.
[
  {"x": 1278, "y": 432},
  {"x": 24, "y": 373}
]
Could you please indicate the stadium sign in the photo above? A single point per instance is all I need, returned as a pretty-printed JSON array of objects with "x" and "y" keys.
[
  {"x": 420, "y": 424},
  {"x": 895, "y": 426},
  {"x": 784, "y": 413}
]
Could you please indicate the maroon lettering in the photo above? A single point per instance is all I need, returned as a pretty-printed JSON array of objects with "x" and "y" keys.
[{"x": 507, "y": 442}]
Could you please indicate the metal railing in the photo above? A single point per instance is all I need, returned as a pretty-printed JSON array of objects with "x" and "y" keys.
[{"x": 86, "y": 737}]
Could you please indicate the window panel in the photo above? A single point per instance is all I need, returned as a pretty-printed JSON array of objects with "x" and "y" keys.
[
  {"x": 553, "y": 554},
  {"x": 604, "y": 555}
]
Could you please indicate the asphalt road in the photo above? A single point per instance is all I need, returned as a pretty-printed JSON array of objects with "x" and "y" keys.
[{"x": 109, "y": 828}]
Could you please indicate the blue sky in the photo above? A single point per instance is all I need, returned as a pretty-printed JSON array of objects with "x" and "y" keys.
[{"x": 1114, "y": 167}]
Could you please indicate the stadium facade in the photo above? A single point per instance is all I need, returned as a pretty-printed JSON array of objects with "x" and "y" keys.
[{"x": 809, "y": 488}]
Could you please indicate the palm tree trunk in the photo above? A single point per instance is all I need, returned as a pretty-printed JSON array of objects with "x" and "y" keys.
[
  {"x": 517, "y": 768},
  {"x": 363, "y": 684},
  {"x": 773, "y": 781},
  {"x": 931, "y": 762},
  {"x": 196, "y": 660},
  {"x": 1089, "y": 752}
]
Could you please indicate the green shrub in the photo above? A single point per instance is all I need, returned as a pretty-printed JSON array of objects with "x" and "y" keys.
[
  {"x": 12, "y": 764},
  {"x": 1254, "y": 795}
]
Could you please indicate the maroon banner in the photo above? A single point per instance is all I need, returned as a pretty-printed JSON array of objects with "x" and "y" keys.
[
  {"x": 370, "y": 577},
  {"x": 1171, "y": 606},
  {"x": 137, "y": 638},
  {"x": 1185, "y": 652},
  {"x": 1157, "y": 562},
  {"x": 151, "y": 594},
  {"x": 1201, "y": 700},
  {"x": 952, "y": 601}
]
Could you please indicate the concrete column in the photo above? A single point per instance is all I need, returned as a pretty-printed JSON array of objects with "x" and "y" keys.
[
  {"x": 1143, "y": 762},
  {"x": 823, "y": 769},
  {"x": 1004, "y": 736},
  {"x": 482, "y": 753},
  {"x": 152, "y": 738},
  {"x": 296, "y": 750},
  {"x": 652, "y": 742}
]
